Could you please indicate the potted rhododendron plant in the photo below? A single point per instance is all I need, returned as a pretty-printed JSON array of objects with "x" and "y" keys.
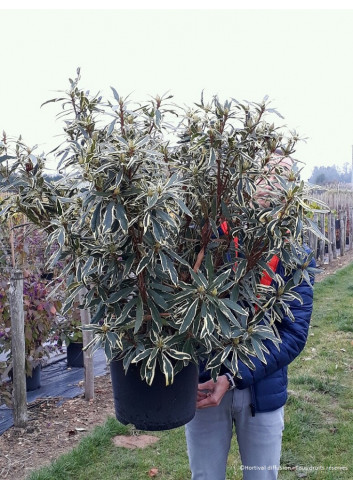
[
  {"x": 70, "y": 335},
  {"x": 145, "y": 193}
]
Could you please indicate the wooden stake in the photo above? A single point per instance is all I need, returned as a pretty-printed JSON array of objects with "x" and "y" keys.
[
  {"x": 334, "y": 245},
  {"x": 87, "y": 336},
  {"x": 342, "y": 234},
  {"x": 322, "y": 242},
  {"x": 330, "y": 236},
  {"x": 18, "y": 349},
  {"x": 315, "y": 238}
]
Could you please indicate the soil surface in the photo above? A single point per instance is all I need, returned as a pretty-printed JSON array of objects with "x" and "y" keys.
[
  {"x": 337, "y": 263},
  {"x": 56, "y": 428}
]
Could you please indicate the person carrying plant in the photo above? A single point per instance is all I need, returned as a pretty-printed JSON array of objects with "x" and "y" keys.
[{"x": 254, "y": 400}]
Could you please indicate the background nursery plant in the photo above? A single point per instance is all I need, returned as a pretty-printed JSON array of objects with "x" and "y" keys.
[
  {"x": 26, "y": 247},
  {"x": 138, "y": 217}
]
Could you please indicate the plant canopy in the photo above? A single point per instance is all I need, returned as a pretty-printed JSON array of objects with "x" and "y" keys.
[{"x": 144, "y": 218}]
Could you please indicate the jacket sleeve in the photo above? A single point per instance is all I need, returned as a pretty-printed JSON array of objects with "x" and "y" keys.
[{"x": 293, "y": 335}]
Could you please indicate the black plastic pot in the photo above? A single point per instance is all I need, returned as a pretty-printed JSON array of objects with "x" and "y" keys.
[
  {"x": 156, "y": 407},
  {"x": 74, "y": 355},
  {"x": 34, "y": 382}
]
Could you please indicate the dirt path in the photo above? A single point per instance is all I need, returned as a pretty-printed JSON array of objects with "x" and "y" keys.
[
  {"x": 330, "y": 269},
  {"x": 52, "y": 430}
]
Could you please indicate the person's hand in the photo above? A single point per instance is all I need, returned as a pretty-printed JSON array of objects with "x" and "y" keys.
[{"x": 210, "y": 393}]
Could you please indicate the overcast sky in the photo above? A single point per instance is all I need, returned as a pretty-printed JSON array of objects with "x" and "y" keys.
[{"x": 300, "y": 58}]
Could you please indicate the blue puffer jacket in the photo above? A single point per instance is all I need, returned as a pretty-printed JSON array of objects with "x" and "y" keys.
[{"x": 268, "y": 382}]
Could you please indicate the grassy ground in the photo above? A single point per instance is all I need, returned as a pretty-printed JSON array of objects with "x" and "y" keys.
[{"x": 317, "y": 441}]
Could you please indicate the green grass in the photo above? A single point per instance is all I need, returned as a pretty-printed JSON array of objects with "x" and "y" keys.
[
  {"x": 318, "y": 415},
  {"x": 317, "y": 440},
  {"x": 97, "y": 458}
]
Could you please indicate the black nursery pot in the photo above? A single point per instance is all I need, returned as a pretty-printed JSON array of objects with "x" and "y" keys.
[
  {"x": 34, "y": 382},
  {"x": 74, "y": 354},
  {"x": 157, "y": 407}
]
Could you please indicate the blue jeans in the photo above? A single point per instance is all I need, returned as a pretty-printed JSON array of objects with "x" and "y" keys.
[{"x": 209, "y": 435}]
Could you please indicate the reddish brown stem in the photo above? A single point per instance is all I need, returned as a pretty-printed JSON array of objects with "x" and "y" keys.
[
  {"x": 148, "y": 317},
  {"x": 122, "y": 125},
  {"x": 219, "y": 183},
  {"x": 199, "y": 259}
]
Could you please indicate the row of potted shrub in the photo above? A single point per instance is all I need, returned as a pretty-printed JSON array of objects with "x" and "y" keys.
[{"x": 46, "y": 331}]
